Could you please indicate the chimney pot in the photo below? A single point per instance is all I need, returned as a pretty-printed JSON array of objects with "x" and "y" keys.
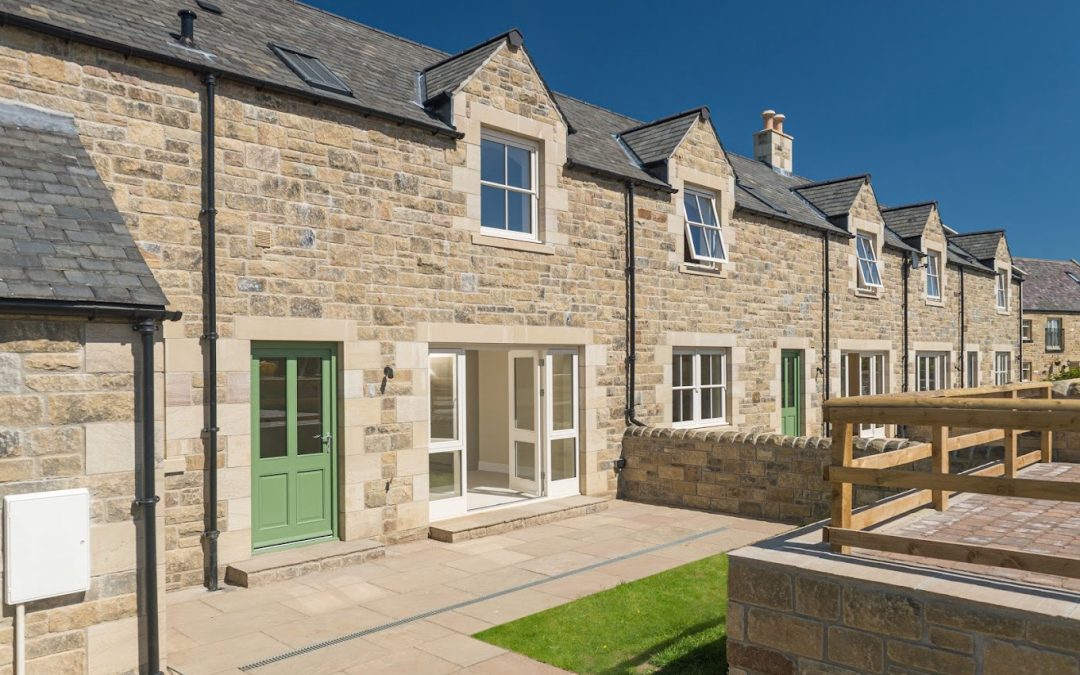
[
  {"x": 778, "y": 123},
  {"x": 187, "y": 27},
  {"x": 767, "y": 119}
]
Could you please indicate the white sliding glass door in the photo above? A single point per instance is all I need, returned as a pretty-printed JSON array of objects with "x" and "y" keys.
[
  {"x": 561, "y": 412},
  {"x": 524, "y": 399},
  {"x": 446, "y": 452}
]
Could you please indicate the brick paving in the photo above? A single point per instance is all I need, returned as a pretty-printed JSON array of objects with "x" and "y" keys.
[
  {"x": 1032, "y": 525},
  {"x": 217, "y": 633}
]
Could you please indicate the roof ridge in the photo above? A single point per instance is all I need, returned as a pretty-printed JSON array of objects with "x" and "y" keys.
[
  {"x": 932, "y": 202},
  {"x": 469, "y": 50},
  {"x": 354, "y": 22},
  {"x": 669, "y": 118},
  {"x": 845, "y": 179}
]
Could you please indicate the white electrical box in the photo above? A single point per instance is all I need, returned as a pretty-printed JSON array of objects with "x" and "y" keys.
[{"x": 46, "y": 544}]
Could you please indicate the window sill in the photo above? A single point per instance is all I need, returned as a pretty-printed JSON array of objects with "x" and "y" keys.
[
  {"x": 512, "y": 244},
  {"x": 930, "y": 302},
  {"x": 698, "y": 426},
  {"x": 704, "y": 270},
  {"x": 1003, "y": 312},
  {"x": 867, "y": 293}
]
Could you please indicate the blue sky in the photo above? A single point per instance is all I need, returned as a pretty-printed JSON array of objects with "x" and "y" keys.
[{"x": 975, "y": 105}]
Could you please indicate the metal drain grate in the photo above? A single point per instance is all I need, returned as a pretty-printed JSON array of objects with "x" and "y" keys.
[{"x": 465, "y": 603}]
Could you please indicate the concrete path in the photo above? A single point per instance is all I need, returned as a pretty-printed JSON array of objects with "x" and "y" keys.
[{"x": 414, "y": 611}]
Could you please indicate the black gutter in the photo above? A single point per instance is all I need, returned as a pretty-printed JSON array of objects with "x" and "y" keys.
[
  {"x": 209, "y": 212},
  {"x": 826, "y": 303},
  {"x": 906, "y": 359},
  {"x": 8, "y": 19},
  {"x": 86, "y": 310},
  {"x": 149, "y": 499},
  {"x": 963, "y": 338},
  {"x": 631, "y": 311}
]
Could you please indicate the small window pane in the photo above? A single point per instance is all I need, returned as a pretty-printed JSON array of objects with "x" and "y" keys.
[
  {"x": 519, "y": 211},
  {"x": 706, "y": 208},
  {"x": 683, "y": 405},
  {"x": 444, "y": 475},
  {"x": 492, "y": 161},
  {"x": 712, "y": 403},
  {"x": 492, "y": 207},
  {"x": 684, "y": 370},
  {"x": 518, "y": 167},
  {"x": 692, "y": 212},
  {"x": 443, "y": 390},
  {"x": 309, "y": 403},
  {"x": 272, "y": 432},
  {"x": 711, "y": 369},
  {"x": 563, "y": 465},
  {"x": 524, "y": 393},
  {"x": 562, "y": 392},
  {"x": 525, "y": 466}
]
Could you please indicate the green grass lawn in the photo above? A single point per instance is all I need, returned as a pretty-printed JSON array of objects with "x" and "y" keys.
[{"x": 672, "y": 622}]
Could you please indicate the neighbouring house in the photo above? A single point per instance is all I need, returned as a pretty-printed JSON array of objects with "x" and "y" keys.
[
  {"x": 412, "y": 284},
  {"x": 1051, "y": 320}
]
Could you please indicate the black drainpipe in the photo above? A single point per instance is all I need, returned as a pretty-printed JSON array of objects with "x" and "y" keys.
[
  {"x": 826, "y": 302},
  {"x": 210, "y": 336},
  {"x": 149, "y": 499},
  {"x": 905, "y": 359},
  {"x": 1020, "y": 330},
  {"x": 963, "y": 339},
  {"x": 631, "y": 311}
]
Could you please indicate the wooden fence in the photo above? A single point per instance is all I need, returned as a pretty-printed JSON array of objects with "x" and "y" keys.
[{"x": 987, "y": 415}]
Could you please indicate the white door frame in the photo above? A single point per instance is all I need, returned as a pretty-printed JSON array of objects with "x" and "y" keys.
[
  {"x": 457, "y": 505},
  {"x": 534, "y": 485},
  {"x": 566, "y": 486}
]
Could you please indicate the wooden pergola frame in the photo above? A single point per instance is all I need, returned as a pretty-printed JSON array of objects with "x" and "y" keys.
[{"x": 999, "y": 413}]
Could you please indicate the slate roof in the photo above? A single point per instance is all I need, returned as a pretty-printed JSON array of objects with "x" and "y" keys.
[
  {"x": 834, "y": 197},
  {"x": 760, "y": 189},
  {"x": 908, "y": 221},
  {"x": 982, "y": 245},
  {"x": 656, "y": 141},
  {"x": 61, "y": 236},
  {"x": 959, "y": 256},
  {"x": 1048, "y": 286},
  {"x": 444, "y": 77}
]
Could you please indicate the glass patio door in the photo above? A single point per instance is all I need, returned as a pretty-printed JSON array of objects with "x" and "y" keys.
[
  {"x": 561, "y": 415},
  {"x": 446, "y": 452},
  {"x": 525, "y": 462}
]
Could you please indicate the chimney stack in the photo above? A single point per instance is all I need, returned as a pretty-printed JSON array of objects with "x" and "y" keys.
[
  {"x": 772, "y": 145},
  {"x": 187, "y": 27}
]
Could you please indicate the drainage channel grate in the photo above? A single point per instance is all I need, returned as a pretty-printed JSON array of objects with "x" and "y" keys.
[{"x": 465, "y": 603}]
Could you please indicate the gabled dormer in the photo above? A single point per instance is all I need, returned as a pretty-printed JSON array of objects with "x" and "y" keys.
[
  {"x": 513, "y": 140},
  {"x": 919, "y": 225},
  {"x": 991, "y": 249},
  {"x": 684, "y": 151}
]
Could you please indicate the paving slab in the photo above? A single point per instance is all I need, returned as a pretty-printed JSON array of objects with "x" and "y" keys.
[{"x": 500, "y": 521}]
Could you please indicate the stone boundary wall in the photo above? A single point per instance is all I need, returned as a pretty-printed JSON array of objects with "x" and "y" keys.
[
  {"x": 786, "y": 619},
  {"x": 762, "y": 475}
]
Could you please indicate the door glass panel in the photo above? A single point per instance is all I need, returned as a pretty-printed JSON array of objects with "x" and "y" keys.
[
  {"x": 272, "y": 432},
  {"x": 525, "y": 454},
  {"x": 309, "y": 405},
  {"x": 562, "y": 392},
  {"x": 444, "y": 475},
  {"x": 562, "y": 459},
  {"x": 443, "y": 390},
  {"x": 524, "y": 394}
]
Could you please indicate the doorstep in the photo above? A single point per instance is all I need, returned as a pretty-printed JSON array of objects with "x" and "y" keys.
[
  {"x": 498, "y": 521},
  {"x": 281, "y": 565}
]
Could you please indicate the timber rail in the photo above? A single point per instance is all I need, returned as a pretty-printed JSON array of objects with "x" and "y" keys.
[{"x": 986, "y": 415}]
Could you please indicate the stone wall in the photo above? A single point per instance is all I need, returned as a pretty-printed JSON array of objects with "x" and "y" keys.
[
  {"x": 1045, "y": 363},
  {"x": 790, "y": 613},
  {"x": 68, "y": 419}
]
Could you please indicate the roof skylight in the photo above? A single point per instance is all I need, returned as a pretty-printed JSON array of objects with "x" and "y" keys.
[{"x": 311, "y": 70}]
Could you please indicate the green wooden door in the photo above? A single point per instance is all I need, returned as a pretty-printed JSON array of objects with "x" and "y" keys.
[
  {"x": 791, "y": 392},
  {"x": 293, "y": 445}
]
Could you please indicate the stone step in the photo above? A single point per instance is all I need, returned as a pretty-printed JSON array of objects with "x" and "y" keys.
[
  {"x": 293, "y": 562},
  {"x": 499, "y": 521}
]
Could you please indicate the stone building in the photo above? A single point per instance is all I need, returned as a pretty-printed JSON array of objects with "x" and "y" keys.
[
  {"x": 406, "y": 281},
  {"x": 1051, "y": 320}
]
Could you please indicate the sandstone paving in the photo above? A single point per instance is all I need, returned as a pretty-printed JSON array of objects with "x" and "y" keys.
[{"x": 217, "y": 633}]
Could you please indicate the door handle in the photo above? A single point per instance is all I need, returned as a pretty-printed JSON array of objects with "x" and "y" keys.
[{"x": 326, "y": 438}]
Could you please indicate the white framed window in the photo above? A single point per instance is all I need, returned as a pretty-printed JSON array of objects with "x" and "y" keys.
[
  {"x": 933, "y": 276},
  {"x": 1001, "y": 367},
  {"x": 869, "y": 267},
  {"x": 932, "y": 371},
  {"x": 1053, "y": 335},
  {"x": 863, "y": 374},
  {"x": 1025, "y": 371},
  {"x": 971, "y": 370},
  {"x": 703, "y": 233},
  {"x": 1002, "y": 293},
  {"x": 1025, "y": 330},
  {"x": 508, "y": 186},
  {"x": 699, "y": 387}
]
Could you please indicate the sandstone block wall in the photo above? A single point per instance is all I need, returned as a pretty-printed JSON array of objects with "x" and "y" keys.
[
  {"x": 783, "y": 619},
  {"x": 69, "y": 419},
  {"x": 1045, "y": 363}
]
